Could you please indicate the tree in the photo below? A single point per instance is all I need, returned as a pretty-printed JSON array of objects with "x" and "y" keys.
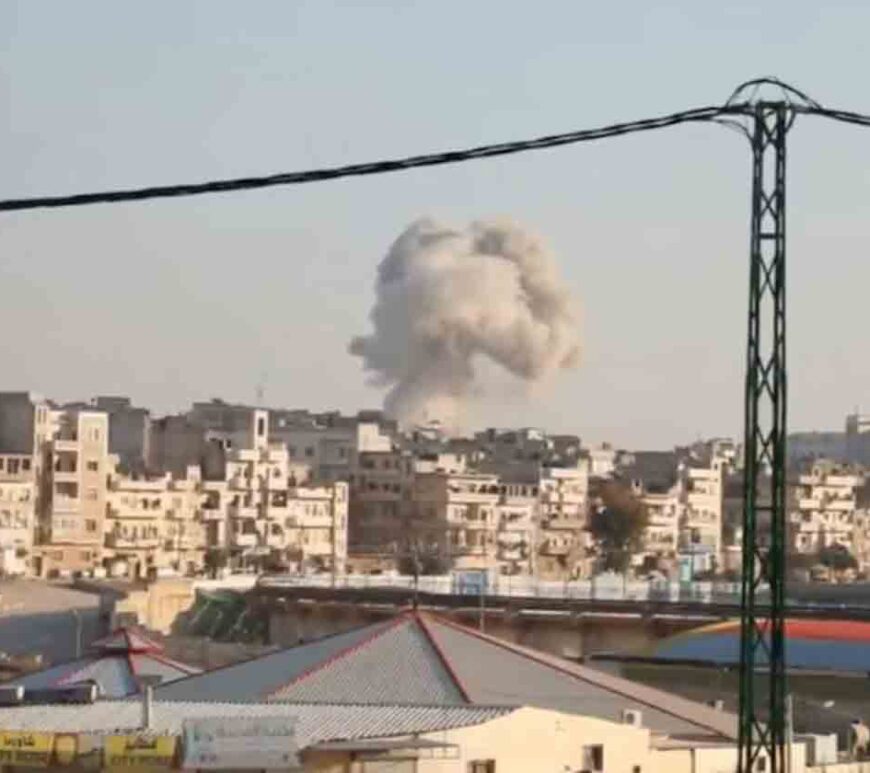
[
  {"x": 617, "y": 525},
  {"x": 837, "y": 557},
  {"x": 414, "y": 564}
]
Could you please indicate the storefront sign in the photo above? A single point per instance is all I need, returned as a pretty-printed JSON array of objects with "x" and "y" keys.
[
  {"x": 241, "y": 742},
  {"x": 139, "y": 752},
  {"x": 31, "y": 750}
]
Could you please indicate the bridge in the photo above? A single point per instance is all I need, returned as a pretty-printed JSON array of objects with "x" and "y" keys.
[{"x": 572, "y": 619}]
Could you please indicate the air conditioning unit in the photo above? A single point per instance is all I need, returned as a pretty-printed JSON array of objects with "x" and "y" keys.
[{"x": 633, "y": 717}]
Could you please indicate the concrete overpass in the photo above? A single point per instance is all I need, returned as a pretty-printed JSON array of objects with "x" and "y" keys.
[{"x": 564, "y": 625}]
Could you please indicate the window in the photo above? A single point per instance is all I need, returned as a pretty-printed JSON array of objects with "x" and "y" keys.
[
  {"x": 12, "y": 466},
  {"x": 593, "y": 759},
  {"x": 25, "y": 464},
  {"x": 93, "y": 465},
  {"x": 261, "y": 426},
  {"x": 90, "y": 525},
  {"x": 309, "y": 451},
  {"x": 481, "y": 766}
]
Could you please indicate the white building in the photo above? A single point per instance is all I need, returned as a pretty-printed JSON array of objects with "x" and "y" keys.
[{"x": 829, "y": 510}]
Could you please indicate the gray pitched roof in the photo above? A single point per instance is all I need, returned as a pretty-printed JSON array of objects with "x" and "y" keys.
[
  {"x": 116, "y": 664},
  {"x": 418, "y": 658},
  {"x": 316, "y": 722}
]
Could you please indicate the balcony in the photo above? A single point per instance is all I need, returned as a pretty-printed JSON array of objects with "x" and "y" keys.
[
  {"x": 509, "y": 538},
  {"x": 549, "y": 548},
  {"x": 564, "y": 524},
  {"x": 245, "y": 540},
  {"x": 133, "y": 513},
  {"x": 122, "y": 542},
  {"x": 243, "y": 512},
  {"x": 66, "y": 444},
  {"x": 62, "y": 504}
]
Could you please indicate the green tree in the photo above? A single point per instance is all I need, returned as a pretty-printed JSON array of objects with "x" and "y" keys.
[{"x": 618, "y": 522}]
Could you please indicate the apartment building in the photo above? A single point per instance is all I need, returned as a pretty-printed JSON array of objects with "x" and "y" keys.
[
  {"x": 18, "y": 497},
  {"x": 563, "y": 541},
  {"x": 266, "y": 513},
  {"x": 703, "y": 488},
  {"x": 76, "y": 474},
  {"x": 830, "y": 509},
  {"x": 154, "y": 524},
  {"x": 455, "y": 515},
  {"x": 380, "y": 498}
]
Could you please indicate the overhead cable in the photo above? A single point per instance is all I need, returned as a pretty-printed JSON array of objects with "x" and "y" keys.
[{"x": 372, "y": 168}]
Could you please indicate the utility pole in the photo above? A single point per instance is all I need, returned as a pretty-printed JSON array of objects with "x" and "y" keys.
[{"x": 762, "y": 731}]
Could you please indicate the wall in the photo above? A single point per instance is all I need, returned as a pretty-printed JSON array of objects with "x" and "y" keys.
[
  {"x": 570, "y": 637},
  {"x": 544, "y": 742}
]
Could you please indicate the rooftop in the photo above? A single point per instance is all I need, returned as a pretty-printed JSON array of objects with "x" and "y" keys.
[
  {"x": 417, "y": 658},
  {"x": 117, "y": 664}
]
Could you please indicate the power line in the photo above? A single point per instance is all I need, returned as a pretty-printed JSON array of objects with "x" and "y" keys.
[{"x": 376, "y": 167}]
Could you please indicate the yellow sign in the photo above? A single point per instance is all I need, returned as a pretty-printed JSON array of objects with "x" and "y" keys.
[
  {"x": 139, "y": 752},
  {"x": 26, "y": 749}
]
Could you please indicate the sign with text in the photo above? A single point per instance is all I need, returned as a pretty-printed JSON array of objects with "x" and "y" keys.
[
  {"x": 139, "y": 752},
  {"x": 31, "y": 750},
  {"x": 241, "y": 742}
]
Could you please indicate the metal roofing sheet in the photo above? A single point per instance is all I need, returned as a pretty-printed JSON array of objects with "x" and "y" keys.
[
  {"x": 493, "y": 671},
  {"x": 316, "y": 722},
  {"x": 253, "y": 679},
  {"x": 167, "y": 670},
  {"x": 399, "y": 665},
  {"x": 112, "y": 674}
]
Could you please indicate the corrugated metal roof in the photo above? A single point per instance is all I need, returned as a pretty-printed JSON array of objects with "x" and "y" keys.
[
  {"x": 255, "y": 679},
  {"x": 419, "y": 658},
  {"x": 316, "y": 722},
  {"x": 399, "y": 666},
  {"x": 118, "y": 662},
  {"x": 494, "y": 671}
]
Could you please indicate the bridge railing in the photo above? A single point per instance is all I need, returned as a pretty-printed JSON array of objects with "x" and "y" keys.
[{"x": 598, "y": 589}]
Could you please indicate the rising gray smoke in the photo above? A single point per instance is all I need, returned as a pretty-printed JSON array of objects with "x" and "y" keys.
[{"x": 445, "y": 296}]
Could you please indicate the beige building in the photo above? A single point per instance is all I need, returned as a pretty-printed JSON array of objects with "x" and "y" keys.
[
  {"x": 660, "y": 541},
  {"x": 455, "y": 515},
  {"x": 829, "y": 508},
  {"x": 155, "y": 525},
  {"x": 703, "y": 498},
  {"x": 18, "y": 497},
  {"x": 563, "y": 541},
  {"x": 76, "y": 473}
]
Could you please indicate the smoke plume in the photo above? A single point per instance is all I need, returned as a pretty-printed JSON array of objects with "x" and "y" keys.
[{"x": 445, "y": 296}]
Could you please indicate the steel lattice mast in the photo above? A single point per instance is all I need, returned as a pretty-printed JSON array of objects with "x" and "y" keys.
[{"x": 762, "y": 731}]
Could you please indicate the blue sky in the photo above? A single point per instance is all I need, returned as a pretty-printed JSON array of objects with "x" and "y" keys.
[{"x": 178, "y": 300}]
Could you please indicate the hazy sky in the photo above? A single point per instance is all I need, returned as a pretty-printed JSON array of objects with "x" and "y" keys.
[{"x": 172, "y": 301}]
